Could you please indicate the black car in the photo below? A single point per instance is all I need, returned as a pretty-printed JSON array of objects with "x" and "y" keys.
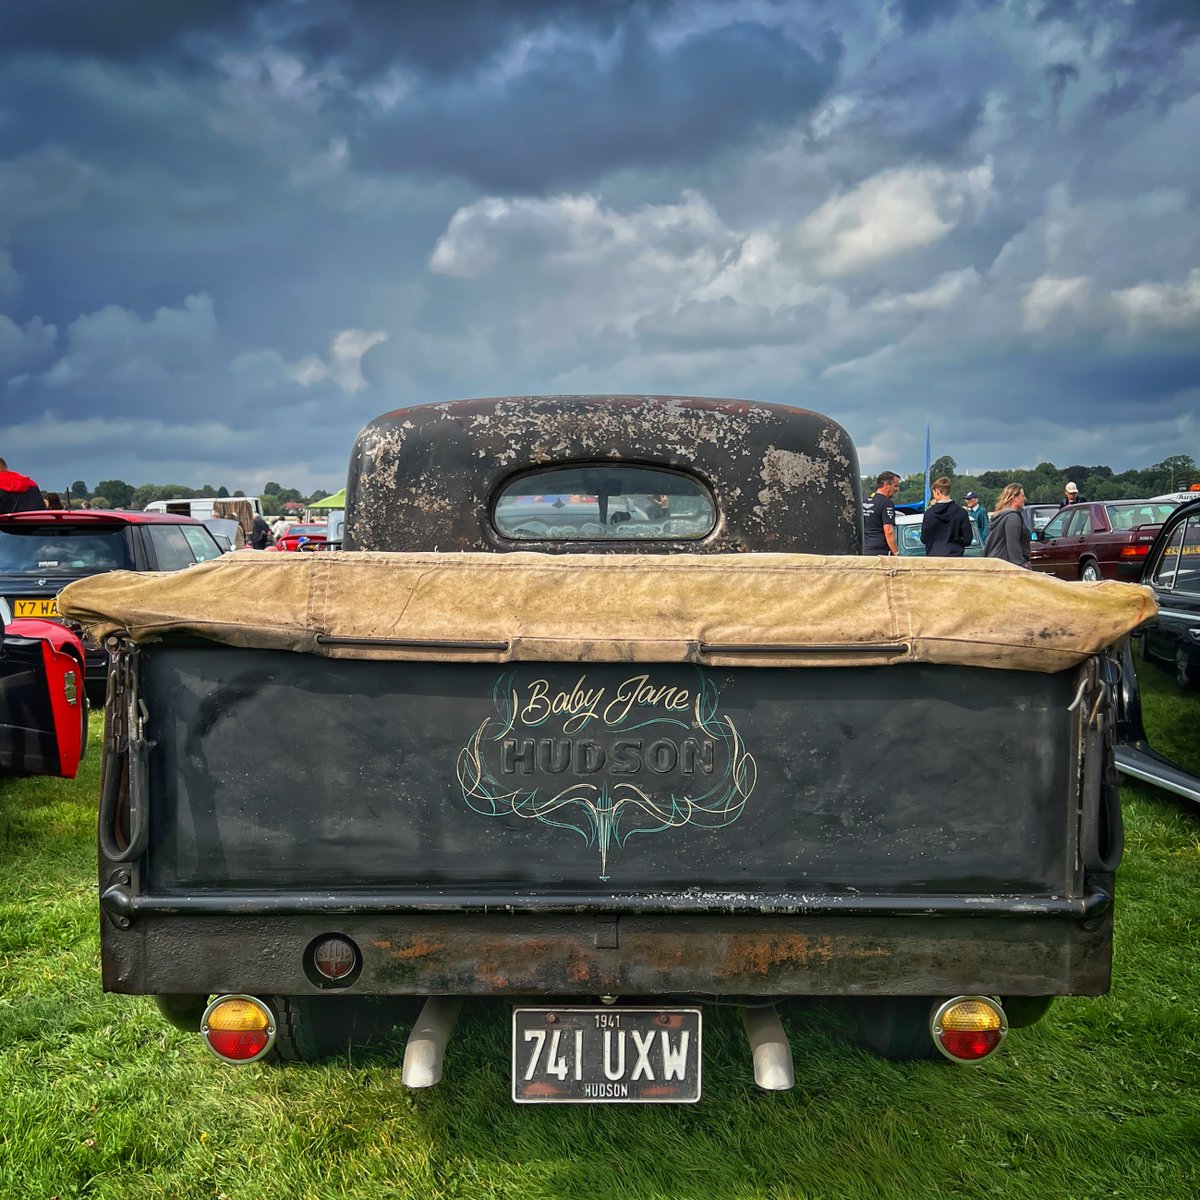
[
  {"x": 44, "y": 550},
  {"x": 1173, "y": 571}
]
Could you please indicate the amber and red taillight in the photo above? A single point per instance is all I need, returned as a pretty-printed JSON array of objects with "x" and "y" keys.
[
  {"x": 968, "y": 1028},
  {"x": 238, "y": 1029}
]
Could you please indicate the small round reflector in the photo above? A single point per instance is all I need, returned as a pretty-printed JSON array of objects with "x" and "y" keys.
[
  {"x": 334, "y": 958},
  {"x": 238, "y": 1029},
  {"x": 968, "y": 1028}
]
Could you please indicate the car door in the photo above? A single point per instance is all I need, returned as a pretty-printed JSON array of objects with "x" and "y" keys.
[
  {"x": 1100, "y": 539},
  {"x": 1046, "y": 553},
  {"x": 1175, "y": 577}
]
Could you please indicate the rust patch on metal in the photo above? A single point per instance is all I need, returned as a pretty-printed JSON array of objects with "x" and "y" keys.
[
  {"x": 417, "y": 949},
  {"x": 751, "y": 955}
]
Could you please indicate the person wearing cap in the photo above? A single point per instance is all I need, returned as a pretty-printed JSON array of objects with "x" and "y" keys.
[
  {"x": 978, "y": 515},
  {"x": 1070, "y": 496}
]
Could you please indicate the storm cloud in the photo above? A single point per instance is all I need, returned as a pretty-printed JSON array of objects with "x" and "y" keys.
[{"x": 232, "y": 232}]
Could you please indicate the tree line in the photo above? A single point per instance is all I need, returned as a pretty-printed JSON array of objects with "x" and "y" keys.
[
  {"x": 116, "y": 493},
  {"x": 1044, "y": 483}
]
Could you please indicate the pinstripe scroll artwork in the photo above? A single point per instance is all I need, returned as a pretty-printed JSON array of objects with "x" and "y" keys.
[{"x": 608, "y": 761}]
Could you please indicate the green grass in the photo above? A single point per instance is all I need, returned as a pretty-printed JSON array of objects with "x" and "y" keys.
[{"x": 99, "y": 1098}]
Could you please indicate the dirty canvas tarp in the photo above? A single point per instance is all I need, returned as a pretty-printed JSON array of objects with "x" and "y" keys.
[{"x": 731, "y": 610}]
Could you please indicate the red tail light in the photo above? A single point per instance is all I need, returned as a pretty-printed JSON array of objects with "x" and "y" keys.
[
  {"x": 238, "y": 1029},
  {"x": 968, "y": 1028},
  {"x": 1137, "y": 551}
]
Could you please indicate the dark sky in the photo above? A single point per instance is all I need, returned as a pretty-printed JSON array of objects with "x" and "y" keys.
[{"x": 231, "y": 233}]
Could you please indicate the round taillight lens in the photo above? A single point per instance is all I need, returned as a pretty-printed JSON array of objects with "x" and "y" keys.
[
  {"x": 335, "y": 958},
  {"x": 968, "y": 1028},
  {"x": 238, "y": 1029}
]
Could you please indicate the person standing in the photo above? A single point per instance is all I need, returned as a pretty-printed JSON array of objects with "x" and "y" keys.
[
  {"x": 1008, "y": 538},
  {"x": 279, "y": 527},
  {"x": 260, "y": 533},
  {"x": 879, "y": 516},
  {"x": 945, "y": 527},
  {"x": 18, "y": 493},
  {"x": 977, "y": 514},
  {"x": 1070, "y": 496}
]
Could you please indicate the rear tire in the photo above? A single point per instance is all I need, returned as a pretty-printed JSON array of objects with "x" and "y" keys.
[
  {"x": 897, "y": 1027},
  {"x": 1090, "y": 572},
  {"x": 310, "y": 1028}
]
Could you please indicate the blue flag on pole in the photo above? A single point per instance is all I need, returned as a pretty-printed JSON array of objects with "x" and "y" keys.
[{"x": 927, "y": 492}]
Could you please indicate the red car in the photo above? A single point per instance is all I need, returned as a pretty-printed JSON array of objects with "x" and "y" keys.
[
  {"x": 296, "y": 536},
  {"x": 43, "y": 708},
  {"x": 1106, "y": 539},
  {"x": 43, "y": 550}
]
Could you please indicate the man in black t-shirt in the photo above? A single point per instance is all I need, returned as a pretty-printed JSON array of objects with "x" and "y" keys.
[{"x": 879, "y": 516}]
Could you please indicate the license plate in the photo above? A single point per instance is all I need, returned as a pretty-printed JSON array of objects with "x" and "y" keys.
[
  {"x": 606, "y": 1055},
  {"x": 35, "y": 608}
]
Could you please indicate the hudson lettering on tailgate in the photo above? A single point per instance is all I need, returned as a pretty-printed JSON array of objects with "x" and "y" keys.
[{"x": 644, "y": 755}]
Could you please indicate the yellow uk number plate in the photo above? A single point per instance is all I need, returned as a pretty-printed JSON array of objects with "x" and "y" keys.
[{"x": 35, "y": 608}]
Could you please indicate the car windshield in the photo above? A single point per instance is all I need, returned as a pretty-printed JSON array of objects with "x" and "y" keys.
[
  {"x": 602, "y": 503},
  {"x": 1129, "y": 516},
  {"x": 36, "y": 550},
  {"x": 305, "y": 530}
]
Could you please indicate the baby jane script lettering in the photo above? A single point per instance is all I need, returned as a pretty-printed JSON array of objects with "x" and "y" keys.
[{"x": 608, "y": 756}]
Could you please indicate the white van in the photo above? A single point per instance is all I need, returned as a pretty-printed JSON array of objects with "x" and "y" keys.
[
  {"x": 202, "y": 507},
  {"x": 242, "y": 509}
]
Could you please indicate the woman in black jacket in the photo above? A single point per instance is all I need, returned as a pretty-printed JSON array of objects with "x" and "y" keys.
[{"x": 1008, "y": 538}]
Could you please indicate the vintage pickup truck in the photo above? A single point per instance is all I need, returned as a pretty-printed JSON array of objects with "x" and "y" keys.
[{"x": 601, "y": 711}]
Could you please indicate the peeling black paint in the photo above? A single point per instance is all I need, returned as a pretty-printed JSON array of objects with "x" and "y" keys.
[{"x": 784, "y": 479}]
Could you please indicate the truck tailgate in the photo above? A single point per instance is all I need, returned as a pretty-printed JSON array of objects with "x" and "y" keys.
[{"x": 274, "y": 770}]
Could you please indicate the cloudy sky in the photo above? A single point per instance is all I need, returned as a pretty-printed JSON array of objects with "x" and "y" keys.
[{"x": 233, "y": 232}]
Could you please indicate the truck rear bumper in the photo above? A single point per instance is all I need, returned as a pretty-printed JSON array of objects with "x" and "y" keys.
[{"x": 628, "y": 954}]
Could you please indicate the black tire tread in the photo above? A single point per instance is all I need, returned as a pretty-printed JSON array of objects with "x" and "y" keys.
[
  {"x": 312, "y": 1028},
  {"x": 897, "y": 1027}
]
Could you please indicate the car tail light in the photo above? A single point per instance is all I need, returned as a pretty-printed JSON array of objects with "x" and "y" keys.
[
  {"x": 335, "y": 958},
  {"x": 238, "y": 1029},
  {"x": 968, "y": 1028},
  {"x": 1139, "y": 550}
]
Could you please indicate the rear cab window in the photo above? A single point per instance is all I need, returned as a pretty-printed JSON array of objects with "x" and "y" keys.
[{"x": 604, "y": 502}]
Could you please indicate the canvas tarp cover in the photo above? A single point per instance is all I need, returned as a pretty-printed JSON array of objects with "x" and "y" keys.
[{"x": 731, "y": 610}]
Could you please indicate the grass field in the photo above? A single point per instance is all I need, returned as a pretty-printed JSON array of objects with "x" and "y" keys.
[{"x": 99, "y": 1098}]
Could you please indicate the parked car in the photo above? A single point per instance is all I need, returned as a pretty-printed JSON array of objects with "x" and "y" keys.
[
  {"x": 1036, "y": 516},
  {"x": 291, "y": 538},
  {"x": 43, "y": 709},
  {"x": 1099, "y": 540},
  {"x": 227, "y": 532},
  {"x": 44, "y": 550},
  {"x": 1172, "y": 569},
  {"x": 908, "y": 537},
  {"x": 1180, "y": 497}
]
